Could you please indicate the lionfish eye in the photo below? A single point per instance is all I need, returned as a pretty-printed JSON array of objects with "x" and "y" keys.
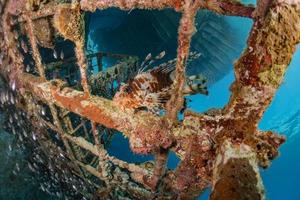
[{"x": 127, "y": 89}]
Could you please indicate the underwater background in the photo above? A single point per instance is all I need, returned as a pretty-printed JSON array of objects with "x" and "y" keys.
[{"x": 140, "y": 32}]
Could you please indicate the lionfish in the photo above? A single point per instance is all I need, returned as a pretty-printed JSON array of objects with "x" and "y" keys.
[{"x": 151, "y": 89}]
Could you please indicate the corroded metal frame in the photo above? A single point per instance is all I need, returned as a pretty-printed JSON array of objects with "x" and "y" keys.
[{"x": 208, "y": 144}]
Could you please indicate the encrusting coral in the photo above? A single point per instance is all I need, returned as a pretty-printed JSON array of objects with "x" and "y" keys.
[{"x": 69, "y": 22}]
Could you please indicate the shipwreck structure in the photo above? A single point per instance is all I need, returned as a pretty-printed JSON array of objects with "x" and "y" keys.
[{"x": 72, "y": 116}]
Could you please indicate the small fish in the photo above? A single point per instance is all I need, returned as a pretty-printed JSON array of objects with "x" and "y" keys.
[
  {"x": 17, "y": 167},
  {"x": 13, "y": 86},
  {"x": 27, "y": 68},
  {"x": 62, "y": 55},
  {"x": 31, "y": 167},
  {"x": 25, "y": 133},
  {"x": 24, "y": 46},
  {"x": 9, "y": 147},
  {"x": 12, "y": 99},
  {"x": 43, "y": 111},
  {"x": 20, "y": 138},
  {"x": 54, "y": 54},
  {"x": 16, "y": 116}
]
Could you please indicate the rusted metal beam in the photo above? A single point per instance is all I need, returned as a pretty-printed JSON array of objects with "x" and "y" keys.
[
  {"x": 115, "y": 181},
  {"x": 58, "y": 64},
  {"x": 103, "y": 155},
  {"x": 82, "y": 66},
  {"x": 224, "y": 7},
  {"x": 48, "y": 10},
  {"x": 228, "y": 7},
  {"x": 35, "y": 51},
  {"x": 185, "y": 32},
  {"x": 92, "y": 5},
  {"x": 97, "y": 109},
  {"x": 236, "y": 174}
]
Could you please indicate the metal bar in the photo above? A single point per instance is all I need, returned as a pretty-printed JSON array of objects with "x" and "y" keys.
[
  {"x": 92, "y": 5},
  {"x": 35, "y": 51},
  {"x": 82, "y": 66},
  {"x": 53, "y": 65},
  {"x": 236, "y": 174},
  {"x": 60, "y": 131},
  {"x": 72, "y": 131},
  {"x": 41, "y": 13},
  {"x": 99, "y": 62},
  {"x": 185, "y": 32},
  {"x": 228, "y": 7},
  {"x": 96, "y": 135},
  {"x": 81, "y": 142},
  {"x": 38, "y": 61}
]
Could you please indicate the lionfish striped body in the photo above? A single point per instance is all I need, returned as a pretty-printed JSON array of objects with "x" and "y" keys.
[{"x": 152, "y": 89}]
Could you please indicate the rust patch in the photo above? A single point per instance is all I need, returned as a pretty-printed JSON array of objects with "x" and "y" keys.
[{"x": 237, "y": 181}]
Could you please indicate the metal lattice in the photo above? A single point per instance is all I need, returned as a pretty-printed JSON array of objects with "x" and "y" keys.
[{"x": 73, "y": 117}]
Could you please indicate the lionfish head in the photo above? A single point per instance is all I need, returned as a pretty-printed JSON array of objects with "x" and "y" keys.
[{"x": 125, "y": 98}]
